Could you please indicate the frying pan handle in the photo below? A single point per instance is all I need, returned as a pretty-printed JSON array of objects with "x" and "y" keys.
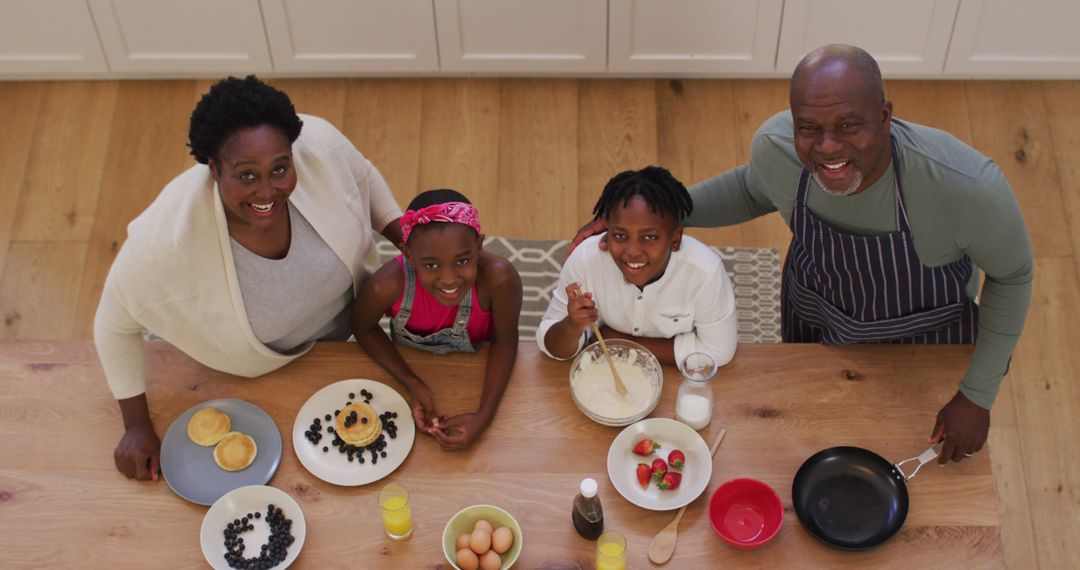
[{"x": 923, "y": 458}]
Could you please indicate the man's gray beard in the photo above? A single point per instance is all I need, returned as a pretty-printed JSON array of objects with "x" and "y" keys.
[{"x": 842, "y": 192}]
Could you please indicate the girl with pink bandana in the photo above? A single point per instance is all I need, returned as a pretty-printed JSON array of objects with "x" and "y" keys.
[{"x": 443, "y": 294}]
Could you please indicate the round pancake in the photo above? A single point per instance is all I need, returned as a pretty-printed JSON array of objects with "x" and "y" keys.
[
  {"x": 359, "y": 433},
  {"x": 235, "y": 451},
  {"x": 207, "y": 426}
]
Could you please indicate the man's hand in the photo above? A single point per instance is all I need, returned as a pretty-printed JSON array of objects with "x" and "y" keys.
[
  {"x": 588, "y": 230},
  {"x": 460, "y": 431},
  {"x": 964, "y": 427},
  {"x": 580, "y": 307},
  {"x": 137, "y": 455}
]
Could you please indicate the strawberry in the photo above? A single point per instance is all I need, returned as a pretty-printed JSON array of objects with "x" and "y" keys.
[
  {"x": 658, "y": 469},
  {"x": 671, "y": 481},
  {"x": 643, "y": 474},
  {"x": 676, "y": 459},
  {"x": 646, "y": 447}
]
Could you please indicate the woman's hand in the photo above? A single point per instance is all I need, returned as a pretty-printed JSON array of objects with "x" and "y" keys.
[
  {"x": 459, "y": 432},
  {"x": 137, "y": 455}
]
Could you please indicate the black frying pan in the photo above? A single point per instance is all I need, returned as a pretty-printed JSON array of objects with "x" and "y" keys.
[{"x": 852, "y": 498}]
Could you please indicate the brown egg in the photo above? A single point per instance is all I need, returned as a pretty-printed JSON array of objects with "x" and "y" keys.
[
  {"x": 467, "y": 559},
  {"x": 462, "y": 541},
  {"x": 490, "y": 561},
  {"x": 480, "y": 541},
  {"x": 484, "y": 525},
  {"x": 502, "y": 539}
]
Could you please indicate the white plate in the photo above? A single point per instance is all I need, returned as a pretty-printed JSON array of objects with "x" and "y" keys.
[
  {"x": 238, "y": 503},
  {"x": 333, "y": 466},
  {"x": 670, "y": 434}
]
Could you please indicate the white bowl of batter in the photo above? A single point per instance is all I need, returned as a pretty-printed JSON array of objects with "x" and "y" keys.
[{"x": 593, "y": 388}]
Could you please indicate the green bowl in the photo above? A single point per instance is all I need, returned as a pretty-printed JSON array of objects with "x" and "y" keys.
[{"x": 464, "y": 521}]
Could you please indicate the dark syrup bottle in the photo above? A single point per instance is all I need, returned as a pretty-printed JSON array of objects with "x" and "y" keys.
[{"x": 588, "y": 514}]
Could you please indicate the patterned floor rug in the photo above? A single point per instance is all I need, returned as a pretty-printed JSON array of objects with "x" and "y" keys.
[{"x": 755, "y": 273}]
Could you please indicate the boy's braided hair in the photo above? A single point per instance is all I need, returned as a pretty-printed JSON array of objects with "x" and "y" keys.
[{"x": 662, "y": 191}]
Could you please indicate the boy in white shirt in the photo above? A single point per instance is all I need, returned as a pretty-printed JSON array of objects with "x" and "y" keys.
[{"x": 643, "y": 280}]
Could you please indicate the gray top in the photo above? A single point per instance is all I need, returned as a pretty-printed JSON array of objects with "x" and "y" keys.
[
  {"x": 305, "y": 296},
  {"x": 958, "y": 203}
]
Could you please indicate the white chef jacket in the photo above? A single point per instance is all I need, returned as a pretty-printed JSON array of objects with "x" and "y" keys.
[{"x": 693, "y": 302}]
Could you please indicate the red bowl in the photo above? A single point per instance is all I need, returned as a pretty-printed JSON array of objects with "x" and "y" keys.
[{"x": 746, "y": 513}]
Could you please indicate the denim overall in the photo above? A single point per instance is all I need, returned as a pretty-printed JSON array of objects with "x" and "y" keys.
[{"x": 454, "y": 339}]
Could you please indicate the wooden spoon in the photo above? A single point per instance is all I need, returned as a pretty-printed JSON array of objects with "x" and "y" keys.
[
  {"x": 663, "y": 544},
  {"x": 619, "y": 386}
]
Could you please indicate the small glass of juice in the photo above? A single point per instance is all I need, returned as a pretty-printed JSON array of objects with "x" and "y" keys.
[
  {"x": 611, "y": 551},
  {"x": 396, "y": 513}
]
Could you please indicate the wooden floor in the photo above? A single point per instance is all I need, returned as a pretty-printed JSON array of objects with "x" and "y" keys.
[{"x": 81, "y": 159}]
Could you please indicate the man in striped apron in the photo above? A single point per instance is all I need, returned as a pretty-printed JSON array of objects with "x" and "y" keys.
[{"x": 890, "y": 221}]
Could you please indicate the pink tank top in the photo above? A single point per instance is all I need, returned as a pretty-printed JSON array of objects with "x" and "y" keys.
[{"x": 429, "y": 315}]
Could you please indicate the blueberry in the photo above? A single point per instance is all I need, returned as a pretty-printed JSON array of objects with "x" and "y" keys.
[
  {"x": 328, "y": 417},
  {"x": 363, "y": 420},
  {"x": 325, "y": 449}
]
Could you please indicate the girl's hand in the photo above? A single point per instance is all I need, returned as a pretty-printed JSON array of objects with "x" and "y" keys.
[
  {"x": 137, "y": 455},
  {"x": 580, "y": 307},
  {"x": 423, "y": 408},
  {"x": 459, "y": 432}
]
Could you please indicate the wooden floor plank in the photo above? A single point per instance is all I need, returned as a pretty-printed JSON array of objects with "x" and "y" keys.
[
  {"x": 1047, "y": 406},
  {"x": 149, "y": 130},
  {"x": 696, "y": 139},
  {"x": 617, "y": 131},
  {"x": 320, "y": 97},
  {"x": 538, "y": 158},
  {"x": 382, "y": 119},
  {"x": 67, "y": 160},
  {"x": 37, "y": 292},
  {"x": 1063, "y": 114},
  {"x": 938, "y": 104},
  {"x": 460, "y": 143},
  {"x": 1009, "y": 124},
  {"x": 1018, "y": 538},
  {"x": 19, "y": 115}
]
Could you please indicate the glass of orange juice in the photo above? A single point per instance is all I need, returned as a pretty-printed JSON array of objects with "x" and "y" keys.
[
  {"x": 611, "y": 551},
  {"x": 396, "y": 513}
]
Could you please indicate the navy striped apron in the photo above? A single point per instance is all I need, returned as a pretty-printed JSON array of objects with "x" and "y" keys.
[{"x": 840, "y": 288}]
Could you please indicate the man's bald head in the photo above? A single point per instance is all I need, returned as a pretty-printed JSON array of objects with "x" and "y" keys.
[{"x": 836, "y": 60}]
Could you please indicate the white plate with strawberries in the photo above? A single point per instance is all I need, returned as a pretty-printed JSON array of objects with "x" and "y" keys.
[{"x": 659, "y": 464}]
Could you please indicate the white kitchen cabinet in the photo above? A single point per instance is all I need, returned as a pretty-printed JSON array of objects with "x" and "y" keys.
[
  {"x": 351, "y": 36},
  {"x": 700, "y": 37},
  {"x": 522, "y": 36},
  {"x": 1004, "y": 38},
  {"x": 191, "y": 37},
  {"x": 908, "y": 39},
  {"x": 48, "y": 38}
]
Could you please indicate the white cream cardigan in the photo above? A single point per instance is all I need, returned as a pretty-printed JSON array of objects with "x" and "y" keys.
[{"x": 175, "y": 273}]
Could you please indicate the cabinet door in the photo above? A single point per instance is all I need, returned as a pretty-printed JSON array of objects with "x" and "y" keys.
[
  {"x": 351, "y": 36},
  {"x": 54, "y": 37},
  {"x": 1001, "y": 38},
  {"x": 908, "y": 39},
  {"x": 188, "y": 37},
  {"x": 523, "y": 36},
  {"x": 694, "y": 36}
]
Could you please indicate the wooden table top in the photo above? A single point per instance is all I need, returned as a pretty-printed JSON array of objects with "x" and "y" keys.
[{"x": 62, "y": 502}]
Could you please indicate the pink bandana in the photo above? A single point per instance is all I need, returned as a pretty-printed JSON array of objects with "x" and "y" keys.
[{"x": 450, "y": 212}]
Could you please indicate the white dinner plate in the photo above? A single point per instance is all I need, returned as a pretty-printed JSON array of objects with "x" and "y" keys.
[
  {"x": 670, "y": 434},
  {"x": 333, "y": 466},
  {"x": 190, "y": 469},
  {"x": 239, "y": 503}
]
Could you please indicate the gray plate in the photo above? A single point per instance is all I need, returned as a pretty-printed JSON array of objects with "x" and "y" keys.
[{"x": 190, "y": 469}]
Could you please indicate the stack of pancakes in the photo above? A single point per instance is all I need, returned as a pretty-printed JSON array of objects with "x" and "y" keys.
[
  {"x": 233, "y": 450},
  {"x": 360, "y": 433}
]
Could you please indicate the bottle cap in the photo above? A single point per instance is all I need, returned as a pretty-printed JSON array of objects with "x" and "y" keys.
[{"x": 588, "y": 487}]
